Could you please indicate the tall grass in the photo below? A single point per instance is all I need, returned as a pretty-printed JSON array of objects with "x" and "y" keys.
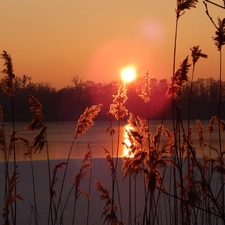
[{"x": 176, "y": 186}]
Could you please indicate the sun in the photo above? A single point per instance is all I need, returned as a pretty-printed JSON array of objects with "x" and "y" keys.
[{"x": 128, "y": 74}]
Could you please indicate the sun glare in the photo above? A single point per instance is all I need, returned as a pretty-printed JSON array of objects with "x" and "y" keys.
[{"x": 128, "y": 74}]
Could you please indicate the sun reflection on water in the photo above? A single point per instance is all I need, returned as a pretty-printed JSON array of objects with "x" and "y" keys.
[{"x": 127, "y": 143}]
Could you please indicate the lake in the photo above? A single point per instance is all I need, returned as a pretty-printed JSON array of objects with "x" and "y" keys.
[{"x": 60, "y": 136}]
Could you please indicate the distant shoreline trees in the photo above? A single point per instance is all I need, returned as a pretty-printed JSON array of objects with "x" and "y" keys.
[{"x": 68, "y": 103}]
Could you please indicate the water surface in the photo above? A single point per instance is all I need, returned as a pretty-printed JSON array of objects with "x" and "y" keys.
[{"x": 60, "y": 138}]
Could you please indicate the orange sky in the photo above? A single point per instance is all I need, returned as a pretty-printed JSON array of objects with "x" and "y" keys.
[{"x": 55, "y": 40}]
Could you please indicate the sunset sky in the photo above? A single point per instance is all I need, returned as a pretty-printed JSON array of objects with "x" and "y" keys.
[{"x": 55, "y": 40}]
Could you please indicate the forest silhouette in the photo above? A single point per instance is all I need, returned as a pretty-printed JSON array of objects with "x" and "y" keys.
[{"x": 68, "y": 103}]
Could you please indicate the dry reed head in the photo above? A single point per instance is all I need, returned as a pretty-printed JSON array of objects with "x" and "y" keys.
[
  {"x": 200, "y": 132},
  {"x": 134, "y": 165},
  {"x": 146, "y": 91},
  {"x": 109, "y": 160},
  {"x": 10, "y": 197},
  {"x": 37, "y": 122},
  {"x": 219, "y": 39},
  {"x": 139, "y": 128},
  {"x": 153, "y": 180},
  {"x": 138, "y": 135},
  {"x": 155, "y": 140},
  {"x": 104, "y": 192},
  {"x": 178, "y": 80},
  {"x": 54, "y": 178},
  {"x": 110, "y": 209},
  {"x": 196, "y": 53},
  {"x": 27, "y": 146},
  {"x": 86, "y": 120},
  {"x": 210, "y": 127},
  {"x": 182, "y": 5},
  {"x": 221, "y": 123},
  {"x": 86, "y": 164},
  {"x": 117, "y": 108},
  {"x": 168, "y": 146},
  {"x": 39, "y": 140},
  {"x": 8, "y": 82},
  {"x": 214, "y": 119}
]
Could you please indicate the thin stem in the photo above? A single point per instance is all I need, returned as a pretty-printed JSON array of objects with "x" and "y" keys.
[
  {"x": 129, "y": 203},
  {"x": 14, "y": 214},
  {"x": 63, "y": 181},
  {"x": 89, "y": 191},
  {"x": 34, "y": 189}
]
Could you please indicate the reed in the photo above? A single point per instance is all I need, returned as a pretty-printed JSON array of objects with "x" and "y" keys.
[{"x": 177, "y": 186}]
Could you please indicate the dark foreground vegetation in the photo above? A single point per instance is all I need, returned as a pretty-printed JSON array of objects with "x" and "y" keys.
[
  {"x": 166, "y": 182},
  {"x": 68, "y": 103}
]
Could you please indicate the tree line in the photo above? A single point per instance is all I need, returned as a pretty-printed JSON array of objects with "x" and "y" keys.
[{"x": 68, "y": 103}]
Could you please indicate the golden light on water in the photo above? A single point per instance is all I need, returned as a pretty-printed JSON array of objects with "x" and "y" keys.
[
  {"x": 128, "y": 74},
  {"x": 127, "y": 143}
]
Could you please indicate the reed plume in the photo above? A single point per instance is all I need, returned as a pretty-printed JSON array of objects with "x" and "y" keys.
[
  {"x": 54, "y": 178},
  {"x": 219, "y": 39},
  {"x": 86, "y": 164},
  {"x": 119, "y": 111},
  {"x": 196, "y": 53},
  {"x": 179, "y": 80},
  {"x": 37, "y": 121},
  {"x": 200, "y": 133},
  {"x": 146, "y": 91},
  {"x": 8, "y": 82},
  {"x": 109, "y": 160},
  {"x": 38, "y": 143},
  {"x": 210, "y": 127},
  {"x": 8, "y": 87},
  {"x": 182, "y": 5},
  {"x": 86, "y": 120},
  {"x": 117, "y": 108},
  {"x": 168, "y": 146},
  {"x": 110, "y": 209},
  {"x": 11, "y": 196}
]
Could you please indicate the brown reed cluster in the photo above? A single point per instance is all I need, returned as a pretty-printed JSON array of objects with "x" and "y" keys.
[
  {"x": 182, "y": 5},
  {"x": 219, "y": 39},
  {"x": 55, "y": 169},
  {"x": 146, "y": 91},
  {"x": 196, "y": 53},
  {"x": 37, "y": 123},
  {"x": 110, "y": 209},
  {"x": 117, "y": 108},
  {"x": 109, "y": 160},
  {"x": 147, "y": 158},
  {"x": 200, "y": 133},
  {"x": 8, "y": 82},
  {"x": 82, "y": 173},
  {"x": 86, "y": 120},
  {"x": 11, "y": 196},
  {"x": 178, "y": 80}
]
